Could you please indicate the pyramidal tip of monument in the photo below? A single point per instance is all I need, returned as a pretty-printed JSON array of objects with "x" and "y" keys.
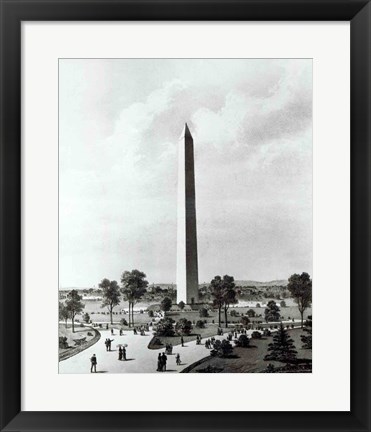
[{"x": 185, "y": 132}]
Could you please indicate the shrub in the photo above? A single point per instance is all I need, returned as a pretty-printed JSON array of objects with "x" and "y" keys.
[
  {"x": 90, "y": 334},
  {"x": 183, "y": 326},
  {"x": 165, "y": 327},
  {"x": 86, "y": 317},
  {"x": 222, "y": 348},
  {"x": 258, "y": 305},
  {"x": 151, "y": 314},
  {"x": 243, "y": 341},
  {"x": 63, "y": 342},
  {"x": 82, "y": 325},
  {"x": 203, "y": 313},
  {"x": 251, "y": 313},
  {"x": 267, "y": 332},
  {"x": 245, "y": 320},
  {"x": 181, "y": 305},
  {"x": 123, "y": 322},
  {"x": 200, "y": 324},
  {"x": 256, "y": 335},
  {"x": 233, "y": 313}
]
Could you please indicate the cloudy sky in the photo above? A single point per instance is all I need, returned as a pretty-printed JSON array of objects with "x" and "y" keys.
[{"x": 120, "y": 121}]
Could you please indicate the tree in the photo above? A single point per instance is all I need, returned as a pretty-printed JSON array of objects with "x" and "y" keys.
[
  {"x": 251, "y": 313},
  {"x": 283, "y": 304},
  {"x": 166, "y": 304},
  {"x": 300, "y": 287},
  {"x": 86, "y": 318},
  {"x": 229, "y": 295},
  {"x": 200, "y": 324},
  {"x": 222, "y": 348},
  {"x": 203, "y": 312},
  {"x": 258, "y": 305},
  {"x": 282, "y": 348},
  {"x": 272, "y": 312},
  {"x": 134, "y": 286},
  {"x": 181, "y": 305},
  {"x": 183, "y": 326},
  {"x": 307, "y": 340},
  {"x": 245, "y": 321},
  {"x": 74, "y": 306},
  {"x": 63, "y": 313},
  {"x": 216, "y": 287},
  {"x": 165, "y": 327},
  {"x": 150, "y": 313},
  {"x": 243, "y": 341},
  {"x": 111, "y": 295}
]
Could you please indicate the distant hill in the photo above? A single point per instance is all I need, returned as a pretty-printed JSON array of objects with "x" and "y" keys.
[{"x": 282, "y": 282}]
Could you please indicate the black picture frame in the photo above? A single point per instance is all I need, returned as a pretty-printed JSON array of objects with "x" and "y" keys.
[{"x": 13, "y": 12}]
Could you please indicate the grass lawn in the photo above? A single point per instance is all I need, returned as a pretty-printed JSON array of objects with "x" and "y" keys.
[
  {"x": 251, "y": 359},
  {"x": 80, "y": 333}
]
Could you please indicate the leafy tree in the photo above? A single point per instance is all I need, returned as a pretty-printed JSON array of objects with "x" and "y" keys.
[
  {"x": 307, "y": 340},
  {"x": 86, "y": 318},
  {"x": 245, "y": 320},
  {"x": 258, "y": 305},
  {"x": 272, "y": 312},
  {"x": 222, "y": 348},
  {"x": 183, "y": 326},
  {"x": 111, "y": 295},
  {"x": 300, "y": 287},
  {"x": 243, "y": 341},
  {"x": 200, "y": 324},
  {"x": 203, "y": 312},
  {"x": 63, "y": 313},
  {"x": 229, "y": 295},
  {"x": 282, "y": 348},
  {"x": 251, "y": 313},
  {"x": 74, "y": 306},
  {"x": 166, "y": 304},
  {"x": 134, "y": 286},
  {"x": 181, "y": 305},
  {"x": 216, "y": 287},
  {"x": 233, "y": 313},
  {"x": 283, "y": 304},
  {"x": 165, "y": 327}
]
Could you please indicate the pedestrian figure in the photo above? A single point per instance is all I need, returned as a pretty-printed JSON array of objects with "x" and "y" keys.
[
  {"x": 124, "y": 353},
  {"x": 107, "y": 344},
  {"x": 178, "y": 359},
  {"x": 120, "y": 332},
  {"x": 164, "y": 360},
  {"x": 111, "y": 331},
  {"x": 120, "y": 353},
  {"x": 182, "y": 341},
  {"x": 106, "y": 326},
  {"x": 93, "y": 362},
  {"x": 159, "y": 363}
]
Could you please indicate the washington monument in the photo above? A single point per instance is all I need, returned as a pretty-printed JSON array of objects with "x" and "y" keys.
[{"x": 187, "y": 264}]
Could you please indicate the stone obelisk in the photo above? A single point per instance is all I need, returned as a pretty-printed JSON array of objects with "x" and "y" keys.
[{"x": 187, "y": 264}]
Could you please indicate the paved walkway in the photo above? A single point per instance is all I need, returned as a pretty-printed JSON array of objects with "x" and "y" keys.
[{"x": 140, "y": 359}]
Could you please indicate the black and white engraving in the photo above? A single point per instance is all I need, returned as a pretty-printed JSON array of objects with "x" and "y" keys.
[{"x": 185, "y": 216}]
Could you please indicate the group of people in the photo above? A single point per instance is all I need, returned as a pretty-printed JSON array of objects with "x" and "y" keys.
[
  {"x": 142, "y": 330},
  {"x": 161, "y": 362},
  {"x": 209, "y": 344},
  {"x": 198, "y": 340},
  {"x": 169, "y": 348},
  {"x": 122, "y": 353},
  {"x": 108, "y": 343}
]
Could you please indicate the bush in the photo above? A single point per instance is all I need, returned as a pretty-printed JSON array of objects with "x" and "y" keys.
[
  {"x": 222, "y": 348},
  {"x": 165, "y": 327},
  {"x": 86, "y": 318},
  {"x": 203, "y": 313},
  {"x": 82, "y": 325},
  {"x": 267, "y": 332},
  {"x": 245, "y": 321},
  {"x": 200, "y": 324},
  {"x": 243, "y": 341},
  {"x": 90, "y": 334},
  {"x": 123, "y": 322},
  {"x": 233, "y": 313},
  {"x": 256, "y": 335},
  {"x": 151, "y": 314},
  {"x": 63, "y": 342},
  {"x": 258, "y": 305},
  {"x": 183, "y": 326},
  {"x": 251, "y": 313}
]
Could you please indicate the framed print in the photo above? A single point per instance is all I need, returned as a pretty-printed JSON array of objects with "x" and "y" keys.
[{"x": 184, "y": 186}]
